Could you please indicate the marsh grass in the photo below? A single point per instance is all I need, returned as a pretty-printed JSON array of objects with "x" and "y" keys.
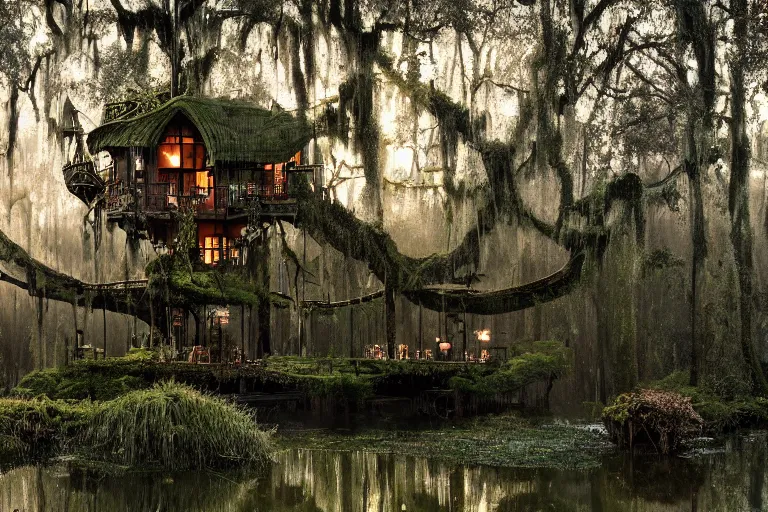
[{"x": 176, "y": 427}]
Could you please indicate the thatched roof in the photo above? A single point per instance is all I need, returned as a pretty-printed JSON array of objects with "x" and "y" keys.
[{"x": 233, "y": 131}]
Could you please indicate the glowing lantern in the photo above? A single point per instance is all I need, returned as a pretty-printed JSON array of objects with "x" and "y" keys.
[
  {"x": 483, "y": 335},
  {"x": 445, "y": 346}
]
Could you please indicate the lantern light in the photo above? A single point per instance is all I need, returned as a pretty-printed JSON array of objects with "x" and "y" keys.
[
  {"x": 445, "y": 346},
  {"x": 483, "y": 335}
]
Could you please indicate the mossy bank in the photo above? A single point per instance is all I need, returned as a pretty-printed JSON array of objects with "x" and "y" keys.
[{"x": 169, "y": 425}]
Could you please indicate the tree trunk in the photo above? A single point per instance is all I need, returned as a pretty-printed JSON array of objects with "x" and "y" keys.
[
  {"x": 738, "y": 200},
  {"x": 699, "y": 251},
  {"x": 390, "y": 323},
  {"x": 264, "y": 314}
]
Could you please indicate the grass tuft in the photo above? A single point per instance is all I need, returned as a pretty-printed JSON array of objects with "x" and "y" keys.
[{"x": 176, "y": 427}]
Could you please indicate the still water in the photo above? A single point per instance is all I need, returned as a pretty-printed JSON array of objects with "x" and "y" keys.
[{"x": 728, "y": 478}]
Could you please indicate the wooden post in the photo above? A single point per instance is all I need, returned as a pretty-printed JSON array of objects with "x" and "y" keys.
[
  {"x": 205, "y": 325},
  {"x": 104, "y": 321},
  {"x": 40, "y": 343},
  {"x": 445, "y": 325},
  {"x": 250, "y": 330},
  {"x": 421, "y": 331},
  {"x": 351, "y": 331},
  {"x": 242, "y": 334},
  {"x": 133, "y": 332},
  {"x": 464, "y": 338},
  {"x": 151, "y": 323},
  {"x": 221, "y": 344},
  {"x": 74, "y": 315}
]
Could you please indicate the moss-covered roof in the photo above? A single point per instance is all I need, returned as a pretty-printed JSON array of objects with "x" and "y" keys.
[{"x": 233, "y": 131}]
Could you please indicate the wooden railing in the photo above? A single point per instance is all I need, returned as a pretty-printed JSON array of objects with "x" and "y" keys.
[
  {"x": 159, "y": 199},
  {"x": 157, "y": 195},
  {"x": 117, "y": 197}
]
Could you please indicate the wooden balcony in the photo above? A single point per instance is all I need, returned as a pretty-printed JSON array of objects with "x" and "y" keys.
[
  {"x": 233, "y": 200},
  {"x": 160, "y": 199}
]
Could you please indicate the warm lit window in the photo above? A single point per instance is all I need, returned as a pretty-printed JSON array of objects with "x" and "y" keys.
[
  {"x": 180, "y": 149},
  {"x": 214, "y": 249}
]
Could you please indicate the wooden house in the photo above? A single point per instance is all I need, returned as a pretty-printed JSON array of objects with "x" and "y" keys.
[{"x": 226, "y": 161}]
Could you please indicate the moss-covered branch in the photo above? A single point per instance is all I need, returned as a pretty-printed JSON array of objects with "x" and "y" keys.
[{"x": 18, "y": 268}]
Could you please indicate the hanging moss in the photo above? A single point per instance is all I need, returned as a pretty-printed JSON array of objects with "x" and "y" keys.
[
  {"x": 629, "y": 189},
  {"x": 661, "y": 259}
]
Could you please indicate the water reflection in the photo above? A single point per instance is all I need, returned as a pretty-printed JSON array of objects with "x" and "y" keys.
[{"x": 732, "y": 479}]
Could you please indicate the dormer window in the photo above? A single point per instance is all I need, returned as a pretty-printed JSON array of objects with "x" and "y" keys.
[{"x": 182, "y": 148}]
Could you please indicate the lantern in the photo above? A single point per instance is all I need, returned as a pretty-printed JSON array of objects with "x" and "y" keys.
[
  {"x": 445, "y": 346},
  {"x": 483, "y": 335}
]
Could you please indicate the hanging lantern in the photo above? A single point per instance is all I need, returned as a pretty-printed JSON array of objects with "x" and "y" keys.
[{"x": 445, "y": 346}]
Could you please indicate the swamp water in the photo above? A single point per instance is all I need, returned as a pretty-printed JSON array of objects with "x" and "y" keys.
[{"x": 728, "y": 478}]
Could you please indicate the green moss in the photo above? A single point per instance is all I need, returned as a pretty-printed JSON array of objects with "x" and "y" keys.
[
  {"x": 721, "y": 411},
  {"x": 341, "y": 379},
  {"x": 40, "y": 427},
  {"x": 94, "y": 380},
  {"x": 172, "y": 279}
]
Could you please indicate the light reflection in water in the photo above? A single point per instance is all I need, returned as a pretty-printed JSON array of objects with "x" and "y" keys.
[{"x": 313, "y": 481}]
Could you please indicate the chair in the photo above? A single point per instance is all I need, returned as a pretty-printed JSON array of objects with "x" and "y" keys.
[{"x": 199, "y": 353}]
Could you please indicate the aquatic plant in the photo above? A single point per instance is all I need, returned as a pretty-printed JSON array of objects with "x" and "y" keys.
[
  {"x": 176, "y": 427},
  {"x": 662, "y": 418}
]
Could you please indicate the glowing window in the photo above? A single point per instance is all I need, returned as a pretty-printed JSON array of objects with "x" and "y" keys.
[
  {"x": 214, "y": 249},
  {"x": 181, "y": 149}
]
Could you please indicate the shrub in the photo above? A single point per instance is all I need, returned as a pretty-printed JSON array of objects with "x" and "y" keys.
[
  {"x": 546, "y": 361},
  {"x": 95, "y": 380},
  {"x": 662, "y": 418},
  {"x": 721, "y": 412}
]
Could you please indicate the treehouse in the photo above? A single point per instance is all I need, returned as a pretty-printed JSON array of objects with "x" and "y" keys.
[{"x": 227, "y": 162}]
